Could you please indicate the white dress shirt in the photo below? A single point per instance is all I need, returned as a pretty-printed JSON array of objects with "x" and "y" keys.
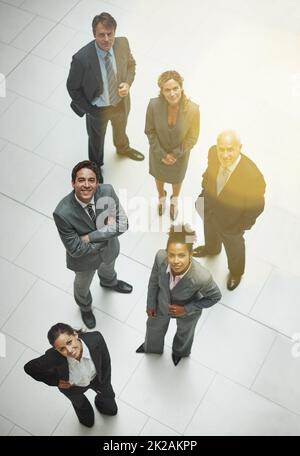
[
  {"x": 82, "y": 372},
  {"x": 230, "y": 168},
  {"x": 84, "y": 205}
]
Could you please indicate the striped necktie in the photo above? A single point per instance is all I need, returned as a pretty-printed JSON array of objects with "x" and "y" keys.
[
  {"x": 223, "y": 175},
  {"x": 112, "y": 81},
  {"x": 91, "y": 212}
]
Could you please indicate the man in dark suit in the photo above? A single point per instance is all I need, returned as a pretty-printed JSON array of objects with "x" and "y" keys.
[
  {"x": 99, "y": 80},
  {"x": 89, "y": 221},
  {"x": 77, "y": 362},
  {"x": 233, "y": 189}
]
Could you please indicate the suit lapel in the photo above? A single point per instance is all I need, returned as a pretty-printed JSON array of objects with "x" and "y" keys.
[
  {"x": 62, "y": 366},
  {"x": 94, "y": 62},
  {"x": 95, "y": 355},
  {"x": 118, "y": 58},
  {"x": 234, "y": 180},
  {"x": 81, "y": 212},
  {"x": 165, "y": 278}
]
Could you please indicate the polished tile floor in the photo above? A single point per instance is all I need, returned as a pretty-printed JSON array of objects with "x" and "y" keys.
[{"x": 240, "y": 61}]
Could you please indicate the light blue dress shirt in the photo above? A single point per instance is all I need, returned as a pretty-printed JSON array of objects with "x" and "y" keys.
[{"x": 103, "y": 100}]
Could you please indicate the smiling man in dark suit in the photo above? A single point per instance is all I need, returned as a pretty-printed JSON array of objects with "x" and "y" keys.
[
  {"x": 89, "y": 221},
  {"x": 233, "y": 189},
  {"x": 99, "y": 81}
]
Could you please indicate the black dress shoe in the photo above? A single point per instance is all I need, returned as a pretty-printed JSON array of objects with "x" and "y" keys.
[
  {"x": 233, "y": 282},
  {"x": 141, "y": 349},
  {"x": 133, "y": 154},
  {"x": 120, "y": 287},
  {"x": 175, "y": 359},
  {"x": 106, "y": 405},
  {"x": 85, "y": 413},
  {"x": 202, "y": 251},
  {"x": 88, "y": 319}
]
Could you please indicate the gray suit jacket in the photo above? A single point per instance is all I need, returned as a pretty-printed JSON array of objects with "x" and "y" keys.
[
  {"x": 72, "y": 221},
  {"x": 85, "y": 82},
  {"x": 195, "y": 291},
  {"x": 179, "y": 139}
]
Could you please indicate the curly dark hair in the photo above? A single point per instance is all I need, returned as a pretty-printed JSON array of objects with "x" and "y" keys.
[{"x": 182, "y": 234}]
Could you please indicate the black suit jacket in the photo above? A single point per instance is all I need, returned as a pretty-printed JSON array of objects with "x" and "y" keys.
[
  {"x": 52, "y": 367},
  {"x": 242, "y": 199},
  {"x": 85, "y": 82}
]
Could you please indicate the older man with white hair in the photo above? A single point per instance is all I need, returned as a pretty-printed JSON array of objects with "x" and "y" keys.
[{"x": 233, "y": 189}]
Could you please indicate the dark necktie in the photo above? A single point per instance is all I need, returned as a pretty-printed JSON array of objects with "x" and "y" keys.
[
  {"x": 112, "y": 81},
  {"x": 91, "y": 212}
]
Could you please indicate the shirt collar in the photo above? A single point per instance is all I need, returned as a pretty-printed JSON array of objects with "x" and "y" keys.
[
  {"x": 85, "y": 351},
  {"x": 181, "y": 275},
  {"x": 233, "y": 165},
  {"x": 84, "y": 205},
  {"x": 85, "y": 354},
  {"x": 102, "y": 53}
]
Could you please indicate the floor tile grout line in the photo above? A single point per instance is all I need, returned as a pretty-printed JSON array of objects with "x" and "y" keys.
[
  {"x": 56, "y": 22},
  {"x": 256, "y": 393},
  {"x": 60, "y": 421},
  {"x": 146, "y": 422},
  {"x": 256, "y": 321},
  {"x": 5, "y": 110},
  {"x": 9, "y": 420},
  {"x": 13, "y": 367},
  {"x": 30, "y": 52},
  {"x": 24, "y": 149},
  {"x": 29, "y": 240},
  {"x": 273, "y": 269},
  {"x": 22, "y": 204},
  {"x": 69, "y": 293},
  {"x": 162, "y": 424},
  {"x": 22, "y": 29},
  {"x": 170, "y": 349},
  {"x": 263, "y": 362},
  {"x": 20, "y": 427},
  {"x": 27, "y": 347},
  {"x": 147, "y": 415},
  {"x": 41, "y": 104},
  {"x": 278, "y": 404},
  {"x": 130, "y": 377},
  {"x": 17, "y": 306},
  {"x": 40, "y": 183},
  {"x": 136, "y": 261},
  {"x": 201, "y": 401}
]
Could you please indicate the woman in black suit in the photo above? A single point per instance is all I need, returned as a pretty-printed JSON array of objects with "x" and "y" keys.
[{"x": 76, "y": 362}]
